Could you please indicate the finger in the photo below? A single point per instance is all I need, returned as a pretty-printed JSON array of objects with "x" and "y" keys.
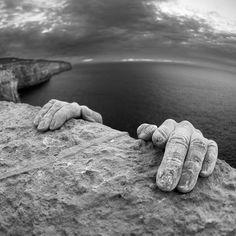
[
  {"x": 90, "y": 115},
  {"x": 43, "y": 111},
  {"x": 72, "y": 110},
  {"x": 145, "y": 131},
  {"x": 210, "y": 159},
  {"x": 46, "y": 120},
  {"x": 170, "y": 169},
  {"x": 193, "y": 162},
  {"x": 161, "y": 134}
]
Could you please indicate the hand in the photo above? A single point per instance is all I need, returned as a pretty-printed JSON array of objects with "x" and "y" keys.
[
  {"x": 55, "y": 113},
  {"x": 187, "y": 154}
]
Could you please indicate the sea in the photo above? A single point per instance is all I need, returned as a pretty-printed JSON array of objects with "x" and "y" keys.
[{"x": 128, "y": 94}]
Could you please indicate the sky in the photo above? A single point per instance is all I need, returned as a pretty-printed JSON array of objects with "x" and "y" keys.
[{"x": 116, "y": 29}]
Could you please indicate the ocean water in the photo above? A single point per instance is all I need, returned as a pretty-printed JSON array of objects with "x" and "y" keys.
[{"x": 130, "y": 93}]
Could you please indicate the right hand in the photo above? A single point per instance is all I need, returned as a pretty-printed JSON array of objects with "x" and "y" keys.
[
  {"x": 187, "y": 155},
  {"x": 55, "y": 113}
]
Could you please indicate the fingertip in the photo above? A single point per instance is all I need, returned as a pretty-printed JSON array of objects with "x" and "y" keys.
[
  {"x": 42, "y": 126},
  {"x": 184, "y": 189},
  {"x": 140, "y": 130},
  {"x": 36, "y": 122},
  {"x": 37, "y": 119},
  {"x": 207, "y": 170},
  {"x": 52, "y": 124},
  {"x": 205, "y": 173},
  {"x": 98, "y": 118},
  {"x": 186, "y": 182},
  {"x": 210, "y": 159},
  {"x": 165, "y": 180},
  {"x": 90, "y": 115},
  {"x": 141, "y": 136},
  {"x": 147, "y": 131}
]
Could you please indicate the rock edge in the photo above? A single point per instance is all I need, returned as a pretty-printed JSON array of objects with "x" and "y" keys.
[{"x": 89, "y": 179}]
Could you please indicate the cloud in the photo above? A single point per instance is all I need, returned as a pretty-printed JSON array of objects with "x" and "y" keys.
[{"x": 46, "y": 28}]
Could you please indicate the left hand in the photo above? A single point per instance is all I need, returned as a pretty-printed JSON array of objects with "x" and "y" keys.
[
  {"x": 188, "y": 154},
  {"x": 55, "y": 113}
]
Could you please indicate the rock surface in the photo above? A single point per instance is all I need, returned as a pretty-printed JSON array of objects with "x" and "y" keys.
[
  {"x": 88, "y": 179},
  {"x": 22, "y": 73}
]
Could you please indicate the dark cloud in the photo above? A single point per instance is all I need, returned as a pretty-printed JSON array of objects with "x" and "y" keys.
[{"x": 101, "y": 27}]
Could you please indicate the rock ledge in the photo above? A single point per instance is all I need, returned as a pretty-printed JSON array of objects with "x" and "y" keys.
[{"x": 89, "y": 179}]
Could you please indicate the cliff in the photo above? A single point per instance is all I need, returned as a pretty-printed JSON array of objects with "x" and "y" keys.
[
  {"x": 22, "y": 73},
  {"x": 89, "y": 179}
]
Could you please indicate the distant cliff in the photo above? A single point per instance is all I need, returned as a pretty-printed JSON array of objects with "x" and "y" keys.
[
  {"x": 18, "y": 73},
  {"x": 89, "y": 179}
]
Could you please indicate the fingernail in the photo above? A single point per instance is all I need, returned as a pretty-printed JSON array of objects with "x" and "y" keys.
[
  {"x": 142, "y": 135},
  {"x": 36, "y": 121},
  {"x": 206, "y": 170},
  {"x": 52, "y": 125},
  {"x": 41, "y": 125},
  {"x": 208, "y": 167},
  {"x": 165, "y": 182},
  {"x": 185, "y": 182}
]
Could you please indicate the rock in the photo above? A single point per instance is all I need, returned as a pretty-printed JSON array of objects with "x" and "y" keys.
[
  {"x": 89, "y": 179},
  {"x": 22, "y": 73}
]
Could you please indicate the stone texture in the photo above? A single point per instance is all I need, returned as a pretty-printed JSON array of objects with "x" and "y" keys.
[
  {"x": 22, "y": 73},
  {"x": 89, "y": 179}
]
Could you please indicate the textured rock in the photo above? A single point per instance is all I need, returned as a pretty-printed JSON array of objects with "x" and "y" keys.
[
  {"x": 88, "y": 179},
  {"x": 21, "y": 73}
]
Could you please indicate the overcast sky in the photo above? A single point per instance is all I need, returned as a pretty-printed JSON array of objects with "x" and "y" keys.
[{"x": 117, "y": 28}]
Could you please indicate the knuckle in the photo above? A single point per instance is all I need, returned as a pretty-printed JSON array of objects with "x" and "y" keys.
[
  {"x": 185, "y": 123},
  {"x": 211, "y": 158},
  {"x": 170, "y": 121},
  {"x": 141, "y": 128},
  {"x": 198, "y": 131},
  {"x": 175, "y": 158},
  {"x": 178, "y": 139},
  {"x": 199, "y": 143},
  {"x": 163, "y": 130},
  {"x": 146, "y": 128},
  {"x": 57, "y": 105},
  {"x": 196, "y": 159},
  {"x": 158, "y": 137},
  {"x": 86, "y": 111},
  {"x": 150, "y": 129},
  {"x": 174, "y": 162},
  {"x": 192, "y": 166},
  {"x": 74, "y": 105},
  {"x": 52, "y": 100},
  {"x": 212, "y": 143}
]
